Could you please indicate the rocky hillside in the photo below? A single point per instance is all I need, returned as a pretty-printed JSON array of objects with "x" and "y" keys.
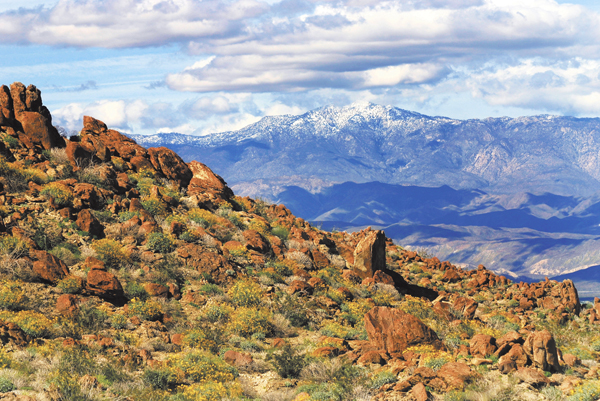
[{"x": 128, "y": 274}]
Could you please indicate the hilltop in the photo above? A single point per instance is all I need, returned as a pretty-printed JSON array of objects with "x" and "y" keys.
[{"x": 129, "y": 274}]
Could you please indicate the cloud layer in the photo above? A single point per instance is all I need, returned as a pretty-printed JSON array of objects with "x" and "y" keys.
[{"x": 534, "y": 54}]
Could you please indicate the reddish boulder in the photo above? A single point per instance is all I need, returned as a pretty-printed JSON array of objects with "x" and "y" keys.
[
  {"x": 540, "y": 347},
  {"x": 456, "y": 375},
  {"x": 370, "y": 358},
  {"x": 326, "y": 352},
  {"x": 207, "y": 185},
  {"x": 205, "y": 261},
  {"x": 451, "y": 276},
  {"x": 87, "y": 196},
  {"x": 49, "y": 268},
  {"x": 382, "y": 278},
  {"x": 532, "y": 377},
  {"x": 465, "y": 306},
  {"x": 237, "y": 359},
  {"x": 105, "y": 285},
  {"x": 299, "y": 286},
  {"x": 393, "y": 330},
  {"x": 420, "y": 393},
  {"x": 87, "y": 222},
  {"x": 516, "y": 355},
  {"x": 67, "y": 304},
  {"x": 369, "y": 255},
  {"x": 256, "y": 242},
  {"x": 170, "y": 165},
  {"x": 156, "y": 290}
]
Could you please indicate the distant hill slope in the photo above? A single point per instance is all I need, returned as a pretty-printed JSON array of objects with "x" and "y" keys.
[
  {"x": 520, "y": 234},
  {"x": 366, "y": 142}
]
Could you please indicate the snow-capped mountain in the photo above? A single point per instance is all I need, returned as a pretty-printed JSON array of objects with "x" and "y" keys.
[{"x": 366, "y": 142}]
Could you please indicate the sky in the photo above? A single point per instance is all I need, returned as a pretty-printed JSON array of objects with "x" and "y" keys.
[{"x": 200, "y": 67}]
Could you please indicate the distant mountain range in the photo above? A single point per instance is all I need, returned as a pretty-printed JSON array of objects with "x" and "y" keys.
[
  {"x": 516, "y": 194},
  {"x": 366, "y": 142}
]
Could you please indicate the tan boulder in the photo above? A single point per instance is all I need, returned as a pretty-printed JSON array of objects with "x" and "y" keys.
[
  {"x": 170, "y": 165},
  {"x": 540, "y": 347},
  {"x": 67, "y": 304},
  {"x": 456, "y": 375},
  {"x": 205, "y": 183},
  {"x": 299, "y": 287},
  {"x": 237, "y": 359},
  {"x": 393, "y": 330},
  {"x": 482, "y": 345},
  {"x": 516, "y": 355},
  {"x": 369, "y": 254},
  {"x": 465, "y": 306},
  {"x": 531, "y": 376},
  {"x": 256, "y": 242}
]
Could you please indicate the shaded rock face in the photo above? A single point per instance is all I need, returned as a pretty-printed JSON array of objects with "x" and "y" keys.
[
  {"x": 21, "y": 109},
  {"x": 393, "y": 330},
  {"x": 10, "y": 333},
  {"x": 369, "y": 255},
  {"x": 87, "y": 222},
  {"x": 171, "y": 165},
  {"x": 540, "y": 347}
]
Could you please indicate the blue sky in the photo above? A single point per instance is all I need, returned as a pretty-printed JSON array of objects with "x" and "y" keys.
[{"x": 197, "y": 67}]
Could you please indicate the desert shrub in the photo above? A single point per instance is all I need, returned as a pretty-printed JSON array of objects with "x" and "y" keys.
[
  {"x": 218, "y": 313},
  {"x": 201, "y": 367},
  {"x": 202, "y": 217},
  {"x": 383, "y": 298},
  {"x": 435, "y": 362},
  {"x": 69, "y": 285},
  {"x": 66, "y": 252},
  {"x": 118, "y": 321},
  {"x": 127, "y": 215},
  {"x": 211, "y": 391},
  {"x": 381, "y": 378},
  {"x": 60, "y": 193},
  {"x": 287, "y": 363},
  {"x": 337, "y": 391},
  {"x": 190, "y": 236},
  {"x": 246, "y": 321},
  {"x": 160, "y": 379},
  {"x": 259, "y": 226},
  {"x": 239, "y": 252},
  {"x": 250, "y": 346},
  {"x": 6, "y": 385},
  {"x": 418, "y": 307},
  {"x": 292, "y": 310},
  {"x": 354, "y": 312},
  {"x": 159, "y": 242},
  {"x": 32, "y": 323},
  {"x": 339, "y": 331},
  {"x": 90, "y": 318},
  {"x": 155, "y": 206},
  {"x": 133, "y": 289},
  {"x": 282, "y": 232},
  {"x": 16, "y": 178},
  {"x": 145, "y": 310},
  {"x": 280, "y": 268},
  {"x": 12, "y": 295},
  {"x": 198, "y": 338},
  {"x": 14, "y": 246},
  {"x": 110, "y": 252},
  {"x": 245, "y": 293},
  {"x": 211, "y": 289}
]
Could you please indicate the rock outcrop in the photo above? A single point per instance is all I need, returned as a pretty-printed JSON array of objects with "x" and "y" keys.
[
  {"x": 393, "y": 330},
  {"x": 369, "y": 255}
]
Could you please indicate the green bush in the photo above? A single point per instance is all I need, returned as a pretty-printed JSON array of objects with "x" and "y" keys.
[
  {"x": 159, "y": 242},
  {"x": 160, "y": 379},
  {"x": 6, "y": 385},
  {"x": 287, "y": 363},
  {"x": 155, "y": 206},
  {"x": 281, "y": 232},
  {"x": 110, "y": 252},
  {"x": 69, "y": 285},
  {"x": 211, "y": 289},
  {"x": 145, "y": 310},
  {"x": 218, "y": 313},
  {"x": 381, "y": 378},
  {"x": 127, "y": 215},
  {"x": 12, "y": 295},
  {"x": 247, "y": 321},
  {"x": 118, "y": 321},
  {"x": 133, "y": 289}
]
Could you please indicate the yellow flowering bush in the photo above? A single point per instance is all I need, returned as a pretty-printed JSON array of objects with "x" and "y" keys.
[
  {"x": 383, "y": 298},
  {"x": 333, "y": 329},
  {"x": 247, "y": 321},
  {"x": 202, "y": 367},
  {"x": 260, "y": 226},
  {"x": 245, "y": 293},
  {"x": 145, "y": 310},
  {"x": 12, "y": 295},
  {"x": 587, "y": 391},
  {"x": 32, "y": 323},
  {"x": 202, "y": 217},
  {"x": 239, "y": 252},
  {"x": 197, "y": 338},
  {"x": 154, "y": 206},
  {"x": 61, "y": 193},
  {"x": 110, "y": 252},
  {"x": 10, "y": 245},
  {"x": 212, "y": 391},
  {"x": 5, "y": 359}
]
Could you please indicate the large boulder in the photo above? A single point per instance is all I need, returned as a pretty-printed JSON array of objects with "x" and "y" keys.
[
  {"x": 540, "y": 347},
  {"x": 170, "y": 165},
  {"x": 369, "y": 254},
  {"x": 393, "y": 330},
  {"x": 104, "y": 285},
  {"x": 207, "y": 187},
  {"x": 49, "y": 268},
  {"x": 87, "y": 222},
  {"x": 10, "y": 333},
  {"x": 482, "y": 345}
]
